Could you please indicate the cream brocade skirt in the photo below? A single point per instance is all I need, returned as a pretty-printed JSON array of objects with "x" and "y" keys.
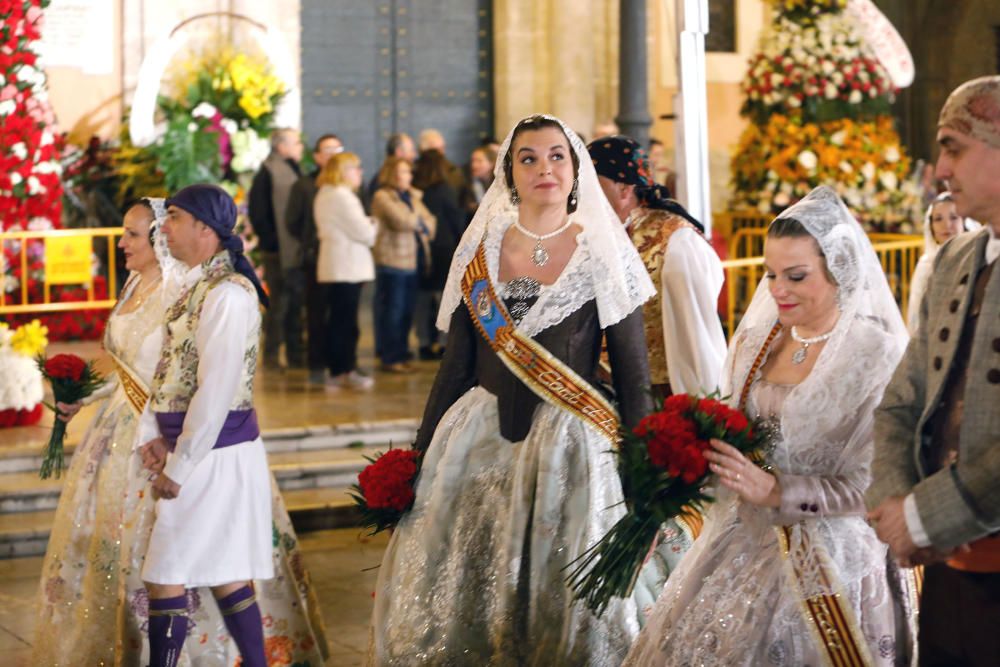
[
  {"x": 473, "y": 575},
  {"x": 93, "y": 603}
]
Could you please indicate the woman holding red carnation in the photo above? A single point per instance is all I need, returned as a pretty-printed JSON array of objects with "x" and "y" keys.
[
  {"x": 94, "y": 607},
  {"x": 786, "y": 570},
  {"x": 513, "y": 487}
]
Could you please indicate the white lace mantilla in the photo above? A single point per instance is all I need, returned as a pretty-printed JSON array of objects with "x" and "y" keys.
[
  {"x": 574, "y": 287},
  {"x": 606, "y": 265}
]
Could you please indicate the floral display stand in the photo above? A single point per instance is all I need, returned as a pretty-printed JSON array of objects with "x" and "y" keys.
[{"x": 818, "y": 100}]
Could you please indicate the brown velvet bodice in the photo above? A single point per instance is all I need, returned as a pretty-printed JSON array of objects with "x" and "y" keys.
[{"x": 575, "y": 341}]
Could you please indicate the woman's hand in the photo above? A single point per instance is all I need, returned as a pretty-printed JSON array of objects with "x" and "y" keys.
[
  {"x": 67, "y": 410},
  {"x": 736, "y": 472}
]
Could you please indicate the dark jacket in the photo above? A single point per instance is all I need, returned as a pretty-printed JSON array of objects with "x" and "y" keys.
[
  {"x": 576, "y": 341},
  {"x": 260, "y": 209},
  {"x": 299, "y": 216},
  {"x": 442, "y": 201}
]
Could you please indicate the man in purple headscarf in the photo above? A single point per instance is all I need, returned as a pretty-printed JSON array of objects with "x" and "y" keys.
[{"x": 213, "y": 515}]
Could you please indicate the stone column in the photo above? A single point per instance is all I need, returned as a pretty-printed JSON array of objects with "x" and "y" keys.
[
  {"x": 633, "y": 95},
  {"x": 571, "y": 48}
]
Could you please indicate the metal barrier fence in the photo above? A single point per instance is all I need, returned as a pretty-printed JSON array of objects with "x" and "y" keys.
[
  {"x": 21, "y": 248},
  {"x": 898, "y": 254}
]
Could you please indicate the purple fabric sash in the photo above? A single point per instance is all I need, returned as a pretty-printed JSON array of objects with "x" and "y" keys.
[{"x": 240, "y": 426}]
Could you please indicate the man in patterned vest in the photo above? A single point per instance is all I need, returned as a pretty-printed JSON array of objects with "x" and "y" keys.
[
  {"x": 683, "y": 334},
  {"x": 213, "y": 515},
  {"x": 936, "y": 475}
]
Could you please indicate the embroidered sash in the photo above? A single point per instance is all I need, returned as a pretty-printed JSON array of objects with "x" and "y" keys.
[
  {"x": 551, "y": 380},
  {"x": 135, "y": 389},
  {"x": 832, "y": 622}
]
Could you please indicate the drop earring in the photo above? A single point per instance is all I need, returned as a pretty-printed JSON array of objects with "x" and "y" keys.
[
  {"x": 515, "y": 198},
  {"x": 574, "y": 193}
]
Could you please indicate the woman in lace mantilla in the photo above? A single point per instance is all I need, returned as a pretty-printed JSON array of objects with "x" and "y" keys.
[
  {"x": 514, "y": 488},
  {"x": 813, "y": 353},
  {"x": 94, "y": 607}
]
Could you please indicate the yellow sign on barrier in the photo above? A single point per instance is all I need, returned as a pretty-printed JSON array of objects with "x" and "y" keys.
[{"x": 67, "y": 260}]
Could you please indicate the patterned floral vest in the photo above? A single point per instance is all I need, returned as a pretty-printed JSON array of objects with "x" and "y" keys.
[
  {"x": 176, "y": 377},
  {"x": 650, "y": 232}
]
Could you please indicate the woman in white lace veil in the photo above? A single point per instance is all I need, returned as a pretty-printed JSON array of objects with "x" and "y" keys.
[
  {"x": 941, "y": 222},
  {"x": 93, "y": 604},
  {"x": 513, "y": 487},
  {"x": 624, "y": 284},
  {"x": 774, "y": 539}
]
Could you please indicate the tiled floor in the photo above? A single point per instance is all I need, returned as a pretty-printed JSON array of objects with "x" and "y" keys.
[{"x": 343, "y": 564}]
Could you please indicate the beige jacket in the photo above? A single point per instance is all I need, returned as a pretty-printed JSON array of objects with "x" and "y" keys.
[
  {"x": 396, "y": 240},
  {"x": 346, "y": 236},
  {"x": 960, "y": 503}
]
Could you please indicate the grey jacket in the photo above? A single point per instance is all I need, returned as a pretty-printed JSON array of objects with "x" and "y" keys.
[{"x": 959, "y": 503}]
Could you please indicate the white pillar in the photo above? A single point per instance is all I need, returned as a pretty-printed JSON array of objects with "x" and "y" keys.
[{"x": 691, "y": 106}]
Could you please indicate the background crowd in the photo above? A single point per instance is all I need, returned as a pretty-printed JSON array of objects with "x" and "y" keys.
[{"x": 325, "y": 231}]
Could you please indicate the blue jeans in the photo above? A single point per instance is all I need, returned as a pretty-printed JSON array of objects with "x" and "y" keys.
[{"x": 395, "y": 296}]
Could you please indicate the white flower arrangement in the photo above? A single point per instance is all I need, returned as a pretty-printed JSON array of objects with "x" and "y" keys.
[
  {"x": 824, "y": 59},
  {"x": 249, "y": 150},
  {"x": 22, "y": 387}
]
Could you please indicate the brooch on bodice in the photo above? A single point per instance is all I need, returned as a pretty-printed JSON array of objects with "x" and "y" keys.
[{"x": 521, "y": 293}]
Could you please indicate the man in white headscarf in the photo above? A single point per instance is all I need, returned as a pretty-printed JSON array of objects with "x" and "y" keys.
[{"x": 936, "y": 474}]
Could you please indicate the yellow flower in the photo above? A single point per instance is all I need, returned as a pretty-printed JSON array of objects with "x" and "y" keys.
[{"x": 30, "y": 339}]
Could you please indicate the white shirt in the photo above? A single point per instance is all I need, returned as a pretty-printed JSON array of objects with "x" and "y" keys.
[
  {"x": 690, "y": 282},
  {"x": 228, "y": 313}
]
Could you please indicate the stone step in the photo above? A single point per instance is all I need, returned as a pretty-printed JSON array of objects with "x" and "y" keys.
[
  {"x": 27, "y": 533},
  {"x": 25, "y": 455},
  {"x": 294, "y": 470}
]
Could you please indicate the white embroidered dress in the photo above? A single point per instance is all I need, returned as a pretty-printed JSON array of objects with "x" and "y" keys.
[
  {"x": 94, "y": 605},
  {"x": 734, "y": 599},
  {"x": 473, "y": 574}
]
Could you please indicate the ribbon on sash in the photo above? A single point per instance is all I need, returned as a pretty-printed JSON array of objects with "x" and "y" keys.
[
  {"x": 832, "y": 622},
  {"x": 691, "y": 521},
  {"x": 553, "y": 381},
  {"x": 135, "y": 389}
]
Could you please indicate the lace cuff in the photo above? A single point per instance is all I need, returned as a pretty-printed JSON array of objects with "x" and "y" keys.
[{"x": 810, "y": 497}]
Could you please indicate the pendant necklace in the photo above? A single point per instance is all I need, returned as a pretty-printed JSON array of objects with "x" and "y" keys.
[
  {"x": 540, "y": 256},
  {"x": 800, "y": 354}
]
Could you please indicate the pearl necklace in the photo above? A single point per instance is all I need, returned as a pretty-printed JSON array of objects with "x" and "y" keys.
[
  {"x": 800, "y": 354},
  {"x": 540, "y": 256}
]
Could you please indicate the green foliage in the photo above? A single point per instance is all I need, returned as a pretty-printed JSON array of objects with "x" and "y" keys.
[{"x": 188, "y": 153}]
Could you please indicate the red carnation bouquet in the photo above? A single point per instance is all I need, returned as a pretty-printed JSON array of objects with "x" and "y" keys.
[
  {"x": 72, "y": 380},
  {"x": 386, "y": 488},
  {"x": 664, "y": 475}
]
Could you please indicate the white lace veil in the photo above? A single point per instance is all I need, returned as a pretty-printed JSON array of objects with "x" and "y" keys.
[
  {"x": 171, "y": 268},
  {"x": 931, "y": 246},
  {"x": 619, "y": 279},
  {"x": 860, "y": 356}
]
